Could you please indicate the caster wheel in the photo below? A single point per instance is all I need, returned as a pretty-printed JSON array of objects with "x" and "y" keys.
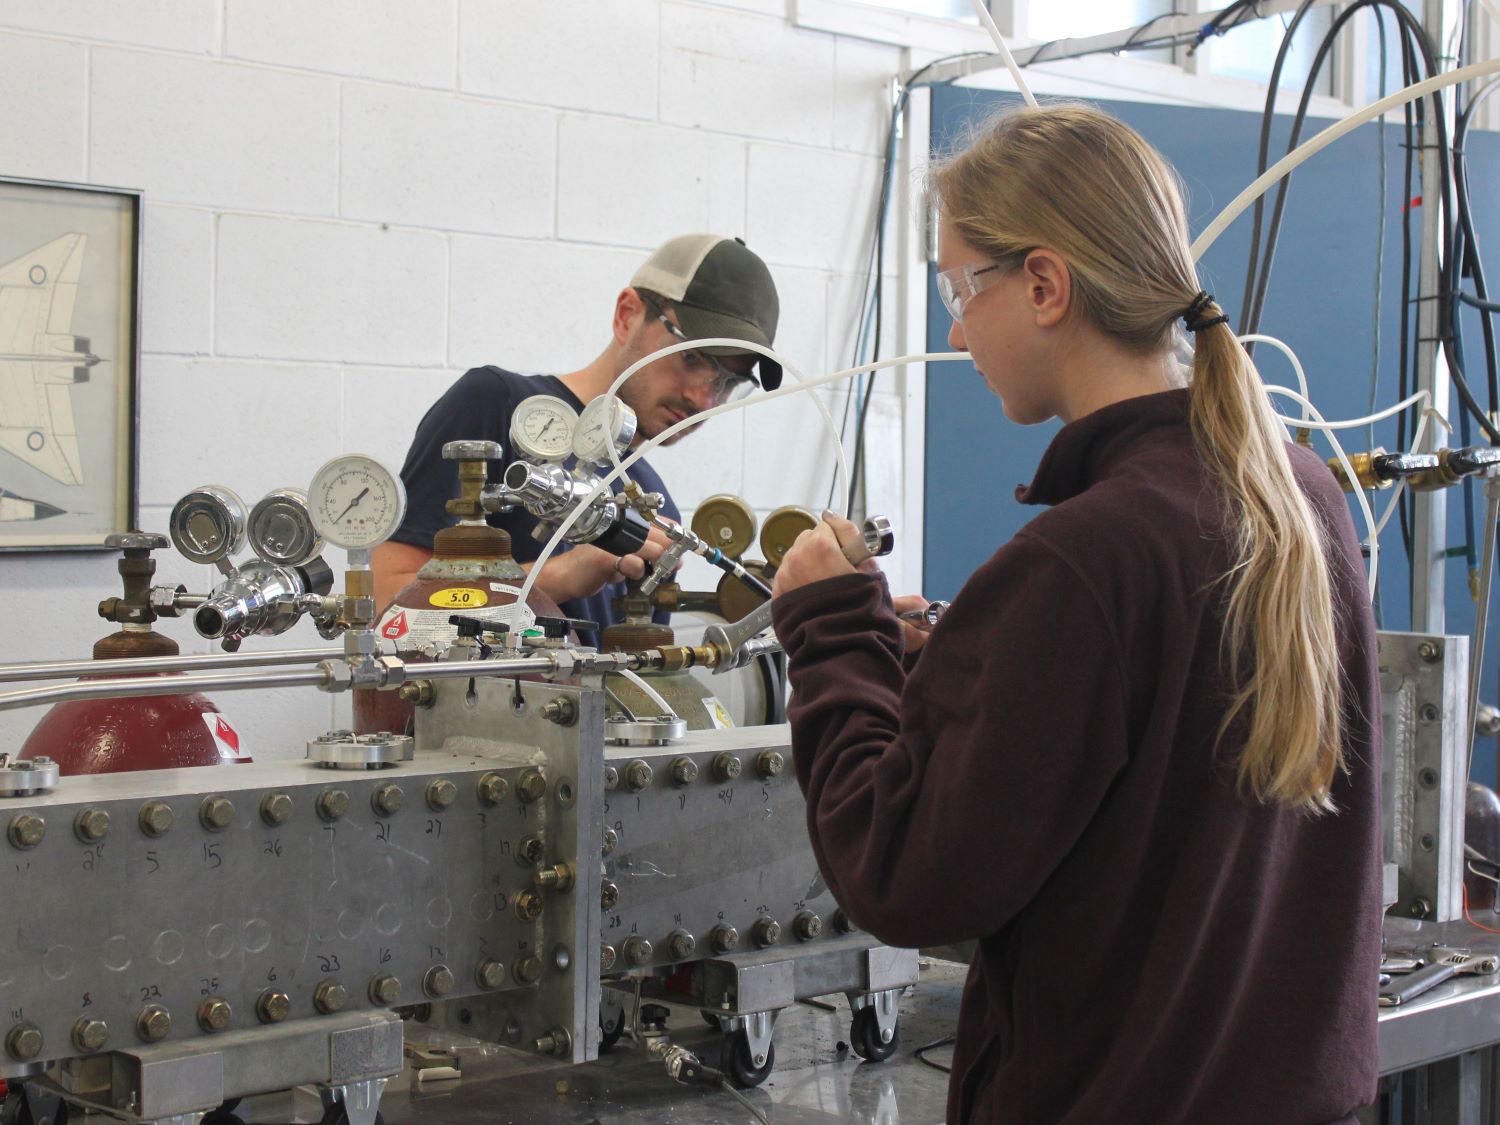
[
  {"x": 224, "y": 1115},
  {"x": 709, "y": 1018},
  {"x": 19, "y": 1110},
  {"x": 864, "y": 1037},
  {"x": 335, "y": 1115},
  {"x": 608, "y": 1036},
  {"x": 737, "y": 1063}
]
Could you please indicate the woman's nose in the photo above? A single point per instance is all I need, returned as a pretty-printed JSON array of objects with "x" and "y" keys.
[{"x": 956, "y": 339}]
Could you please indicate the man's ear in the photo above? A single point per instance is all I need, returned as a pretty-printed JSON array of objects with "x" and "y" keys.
[
  {"x": 1049, "y": 286},
  {"x": 629, "y": 310}
]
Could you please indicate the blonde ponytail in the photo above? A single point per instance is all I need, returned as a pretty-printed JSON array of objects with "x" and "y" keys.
[{"x": 1078, "y": 181}]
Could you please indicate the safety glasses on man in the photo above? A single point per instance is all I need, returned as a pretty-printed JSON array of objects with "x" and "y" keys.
[{"x": 724, "y": 385}]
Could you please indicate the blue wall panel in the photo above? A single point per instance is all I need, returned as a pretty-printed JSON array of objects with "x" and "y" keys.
[{"x": 1321, "y": 302}]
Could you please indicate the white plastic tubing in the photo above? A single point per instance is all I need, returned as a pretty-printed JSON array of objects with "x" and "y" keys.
[
  {"x": 806, "y": 387},
  {"x": 988, "y": 23}
]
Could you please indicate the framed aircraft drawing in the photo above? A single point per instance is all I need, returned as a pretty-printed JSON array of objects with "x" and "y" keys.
[{"x": 69, "y": 357}]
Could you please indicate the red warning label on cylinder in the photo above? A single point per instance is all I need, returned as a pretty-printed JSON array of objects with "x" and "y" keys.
[
  {"x": 225, "y": 737},
  {"x": 413, "y": 629}
]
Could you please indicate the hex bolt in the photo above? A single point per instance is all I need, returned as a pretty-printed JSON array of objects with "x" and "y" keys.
[
  {"x": 558, "y": 877},
  {"x": 769, "y": 763},
  {"x": 531, "y": 786},
  {"x": 1420, "y": 908},
  {"x": 490, "y": 974},
  {"x": 529, "y": 906},
  {"x": 556, "y": 1042},
  {"x": 438, "y": 982},
  {"x": 26, "y": 830},
  {"x": 680, "y": 945},
  {"x": 416, "y": 692},
  {"x": 807, "y": 926},
  {"x": 276, "y": 808},
  {"x": 726, "y": 767},
  {"x": 560, "y": 710},
  {"x": 387, "y": 799},
  {"x": 637, "y": 951},
  {"x": 216, "y": 813},
  {"x": 611, "y": 779},
  {"x": 24, "y": 1042},
  {"x": 90, "y": 1034},
  {"x": 492, "y": 789},
  {"x": 842, "y": 923},
  {"x": 330, "y": 996},
  {"x": 609, "y": 896},
  {"x": 1430, "y": 651},
  {"x": 332, "y": 804},
  {"x": 385, "y": 990},
  {"x": 91, "y": 825},
  {"x": 215, "y": 1014},
  {"x": 528, "y": 970},
  {"x": 441, "y": 793},
  {"x": 723, "y": 938},
  {"x": 273, "y": 1007},
  {"x": 153, "y": 1024},
  {"x": 611, "y": 841},
  {"x": 766, "y": 931},
  {"x": 529, "y": 851},
  {"x": 637, "y": 776},
  {"x": 684, "y": 771},
  {"x": 607, "y": 956},
  {"x": 156, "y": 818}
]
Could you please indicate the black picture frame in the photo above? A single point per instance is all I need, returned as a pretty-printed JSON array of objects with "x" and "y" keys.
[{"x": 70, "y": 296}]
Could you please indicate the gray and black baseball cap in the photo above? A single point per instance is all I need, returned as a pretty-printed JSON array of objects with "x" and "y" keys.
[{"x": 719, "y": 287}]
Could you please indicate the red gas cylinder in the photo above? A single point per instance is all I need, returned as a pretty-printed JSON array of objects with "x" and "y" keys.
[
  {"x": 147, "y": 733},
  {"x": 472, "y": 572}
]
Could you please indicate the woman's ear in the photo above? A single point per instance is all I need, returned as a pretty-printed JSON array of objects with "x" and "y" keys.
[{"x": 1049, "y": 286}]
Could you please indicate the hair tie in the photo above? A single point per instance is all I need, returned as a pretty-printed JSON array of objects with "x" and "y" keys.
[{"x": 1197, "y": 309}]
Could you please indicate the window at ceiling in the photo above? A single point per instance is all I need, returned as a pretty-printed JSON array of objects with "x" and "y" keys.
[
  {"x": 1249, "y": 51},
  {"x": 938, "y": 9}
]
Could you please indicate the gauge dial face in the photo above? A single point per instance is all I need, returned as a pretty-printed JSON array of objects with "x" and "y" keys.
[
  {"x": 208, "y": 524},
  {"x": 356, "y": 501},
  {"x": 604, "y": 424},
  {"x": 281, "y": 528},
  {"x": 541, "y": 429}
]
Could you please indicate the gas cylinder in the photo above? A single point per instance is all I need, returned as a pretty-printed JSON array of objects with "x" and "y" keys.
[
  {"x": 146, "y": 733},
  {"x": 1482, "y": 833},
  {"x": 692, "y": 699},
  {"x": 472, "y": 573}
]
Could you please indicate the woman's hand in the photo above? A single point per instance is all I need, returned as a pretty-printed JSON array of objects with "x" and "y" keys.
[
  {"x": 915, "y": 638},
  {"x": 818, "y": 553}
]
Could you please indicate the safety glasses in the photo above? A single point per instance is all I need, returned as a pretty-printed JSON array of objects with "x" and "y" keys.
[
  {"x": 962, "y": 284},
  {"x": 725, "y": 385}
]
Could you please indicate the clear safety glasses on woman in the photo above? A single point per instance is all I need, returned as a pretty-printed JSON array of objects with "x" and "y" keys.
[
  {"x": 962, "y": 284},
  {"x": 724, "y": 385}
]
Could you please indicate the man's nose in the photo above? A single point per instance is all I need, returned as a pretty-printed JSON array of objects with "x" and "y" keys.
[{"x": 701, "y": 394}]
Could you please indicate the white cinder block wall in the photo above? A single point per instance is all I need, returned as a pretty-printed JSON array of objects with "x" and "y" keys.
[{"x": 350, "y": 202}]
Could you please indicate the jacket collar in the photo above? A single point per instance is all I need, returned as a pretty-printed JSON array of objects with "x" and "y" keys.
[{"x": 1085, "y": 450}]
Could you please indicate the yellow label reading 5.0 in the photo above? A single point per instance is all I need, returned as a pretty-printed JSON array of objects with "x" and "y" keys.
[{"x": 458, "y": 597}]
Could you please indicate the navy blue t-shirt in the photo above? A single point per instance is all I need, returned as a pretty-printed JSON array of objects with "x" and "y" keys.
[{"x": 478, "y": 408}]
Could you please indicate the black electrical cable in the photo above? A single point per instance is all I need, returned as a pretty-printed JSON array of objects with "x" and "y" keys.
[
  {"x": 921, "y": 1053},
  {"x": 772, "y": 681}
]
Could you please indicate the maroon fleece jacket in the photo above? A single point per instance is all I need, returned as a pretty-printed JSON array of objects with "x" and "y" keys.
[{"x": 1153, "y": 947}]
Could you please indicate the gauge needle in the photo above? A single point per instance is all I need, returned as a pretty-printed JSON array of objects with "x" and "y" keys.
[
  {"x": 547, "y": 427},
  {"x": 353, "y": 503}
]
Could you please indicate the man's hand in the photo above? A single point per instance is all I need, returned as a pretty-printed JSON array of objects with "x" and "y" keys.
[
  {"x": 584, "y": 570},
  {"x": 818, "y": 553}
]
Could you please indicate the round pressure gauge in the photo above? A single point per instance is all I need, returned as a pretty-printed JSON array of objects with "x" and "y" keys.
[
  {"x": 281, "y": 528},
  {"x": 356, "y": 501},
  {"x": 541, "y": 429},
  {"x": 604, "y": 423},
  {"x": 208, "y": 524}
]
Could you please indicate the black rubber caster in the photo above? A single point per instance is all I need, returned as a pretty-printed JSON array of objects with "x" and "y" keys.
[
  {"x": 608, "y": 1036},
  {"x": 736, "y": 1062},
  {"x": 864, "y": 1036},
  {"x": 19, "y": 1109},
  {"x": 335, "y": 1115},
  {"x": 709, "y": 1018},
  {"x": 224, "y": 1115}
]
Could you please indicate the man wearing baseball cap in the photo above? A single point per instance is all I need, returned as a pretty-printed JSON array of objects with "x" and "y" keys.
[{"x": 693, "y": 287}]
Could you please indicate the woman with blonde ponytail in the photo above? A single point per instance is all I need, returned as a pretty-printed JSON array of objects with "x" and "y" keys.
[{"x": 1138, "y": 757}]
